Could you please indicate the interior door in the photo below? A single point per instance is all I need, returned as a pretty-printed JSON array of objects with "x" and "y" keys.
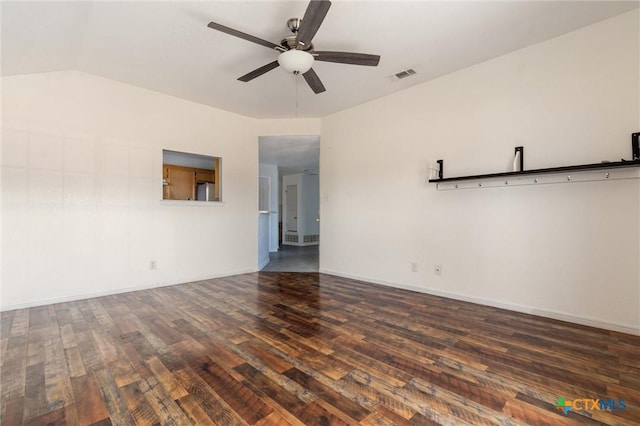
[{"x": 292, "y": 208}]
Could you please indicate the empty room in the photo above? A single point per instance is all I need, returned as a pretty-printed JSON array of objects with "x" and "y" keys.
[{"x": 472, "y": 210}]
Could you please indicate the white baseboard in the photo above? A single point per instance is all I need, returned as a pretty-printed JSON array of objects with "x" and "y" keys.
[
  {"x": 264, "y": 262},
  {"x": 91, "y": 295},
  {"x": 607, "y": 325},
  {"x": 591, "y": 322},
  {"x": 315, "y": 243}
]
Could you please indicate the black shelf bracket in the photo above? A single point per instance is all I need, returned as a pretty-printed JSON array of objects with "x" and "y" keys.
[
  {"x": 520, "y": 149},
  {"x": 440, "y": 169},
  {"x": 635, "y": 145}
]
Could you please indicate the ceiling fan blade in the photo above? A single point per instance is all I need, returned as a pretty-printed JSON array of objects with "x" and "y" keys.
[
  {"x": 259, "y": 71},
  {"x": 348, "y": 58},
  {"x": 242, "y": 35},
  {"x": 313, "y": 81},
  {"x": 313, "y": 17}
]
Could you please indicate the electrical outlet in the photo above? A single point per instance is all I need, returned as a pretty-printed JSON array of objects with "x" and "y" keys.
[
  {"x": 437, "y": 270},
  {"x": 153, "y": 265},
  {"x": 414, "y": 266}
]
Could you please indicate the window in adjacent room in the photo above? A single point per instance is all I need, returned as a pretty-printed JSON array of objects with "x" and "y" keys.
[{"x": 187, "y": 176}]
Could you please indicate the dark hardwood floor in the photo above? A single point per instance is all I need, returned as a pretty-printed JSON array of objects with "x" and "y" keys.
[{"x": 306, "y": 349}]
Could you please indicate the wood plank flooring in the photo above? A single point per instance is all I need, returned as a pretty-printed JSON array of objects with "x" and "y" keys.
[{"x": 305, "y": 349}]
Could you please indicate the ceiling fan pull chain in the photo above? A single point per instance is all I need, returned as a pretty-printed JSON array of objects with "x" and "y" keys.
[{"x": 297, "y": 79}]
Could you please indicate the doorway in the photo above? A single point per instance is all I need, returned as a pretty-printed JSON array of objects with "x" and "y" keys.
[{"x": 291, "y": 164}]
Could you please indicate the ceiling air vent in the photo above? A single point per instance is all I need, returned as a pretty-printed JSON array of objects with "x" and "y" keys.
[{"x": 404, "y": 74}]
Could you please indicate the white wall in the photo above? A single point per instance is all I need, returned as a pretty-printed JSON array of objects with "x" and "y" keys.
[
  {"x": 271, "y": 171},
  {"x": 263, "y": 240},
  {"x": 564, "y": 250},
  {"x": 288, "y": 127},
  {"x": 81, "y": 189}
]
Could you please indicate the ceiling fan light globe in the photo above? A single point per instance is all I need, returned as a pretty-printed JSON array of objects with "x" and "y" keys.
[{"x": 296, "y": 61}]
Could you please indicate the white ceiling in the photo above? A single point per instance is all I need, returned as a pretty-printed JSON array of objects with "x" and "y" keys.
[{"x": 167, "y": 47}]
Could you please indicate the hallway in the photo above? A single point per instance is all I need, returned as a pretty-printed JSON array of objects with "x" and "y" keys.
[{"x": 294, "y": 259}]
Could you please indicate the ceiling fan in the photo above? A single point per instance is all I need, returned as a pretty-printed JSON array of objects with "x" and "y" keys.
[{"x": 297, "y": 52}]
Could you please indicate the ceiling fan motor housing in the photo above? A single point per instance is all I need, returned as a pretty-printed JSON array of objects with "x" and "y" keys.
[{"x": 289, "y": 42}]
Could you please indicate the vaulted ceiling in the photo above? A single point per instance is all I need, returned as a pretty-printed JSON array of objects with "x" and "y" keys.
[{"x": 167, "y": 47}]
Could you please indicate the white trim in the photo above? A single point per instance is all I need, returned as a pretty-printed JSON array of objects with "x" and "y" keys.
[
  {"x": 591, "y": 322},
  {"x": 62, "y": 299},
  {"x": 314, "y": 243},
  {"x": 264, "y": 262}
]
